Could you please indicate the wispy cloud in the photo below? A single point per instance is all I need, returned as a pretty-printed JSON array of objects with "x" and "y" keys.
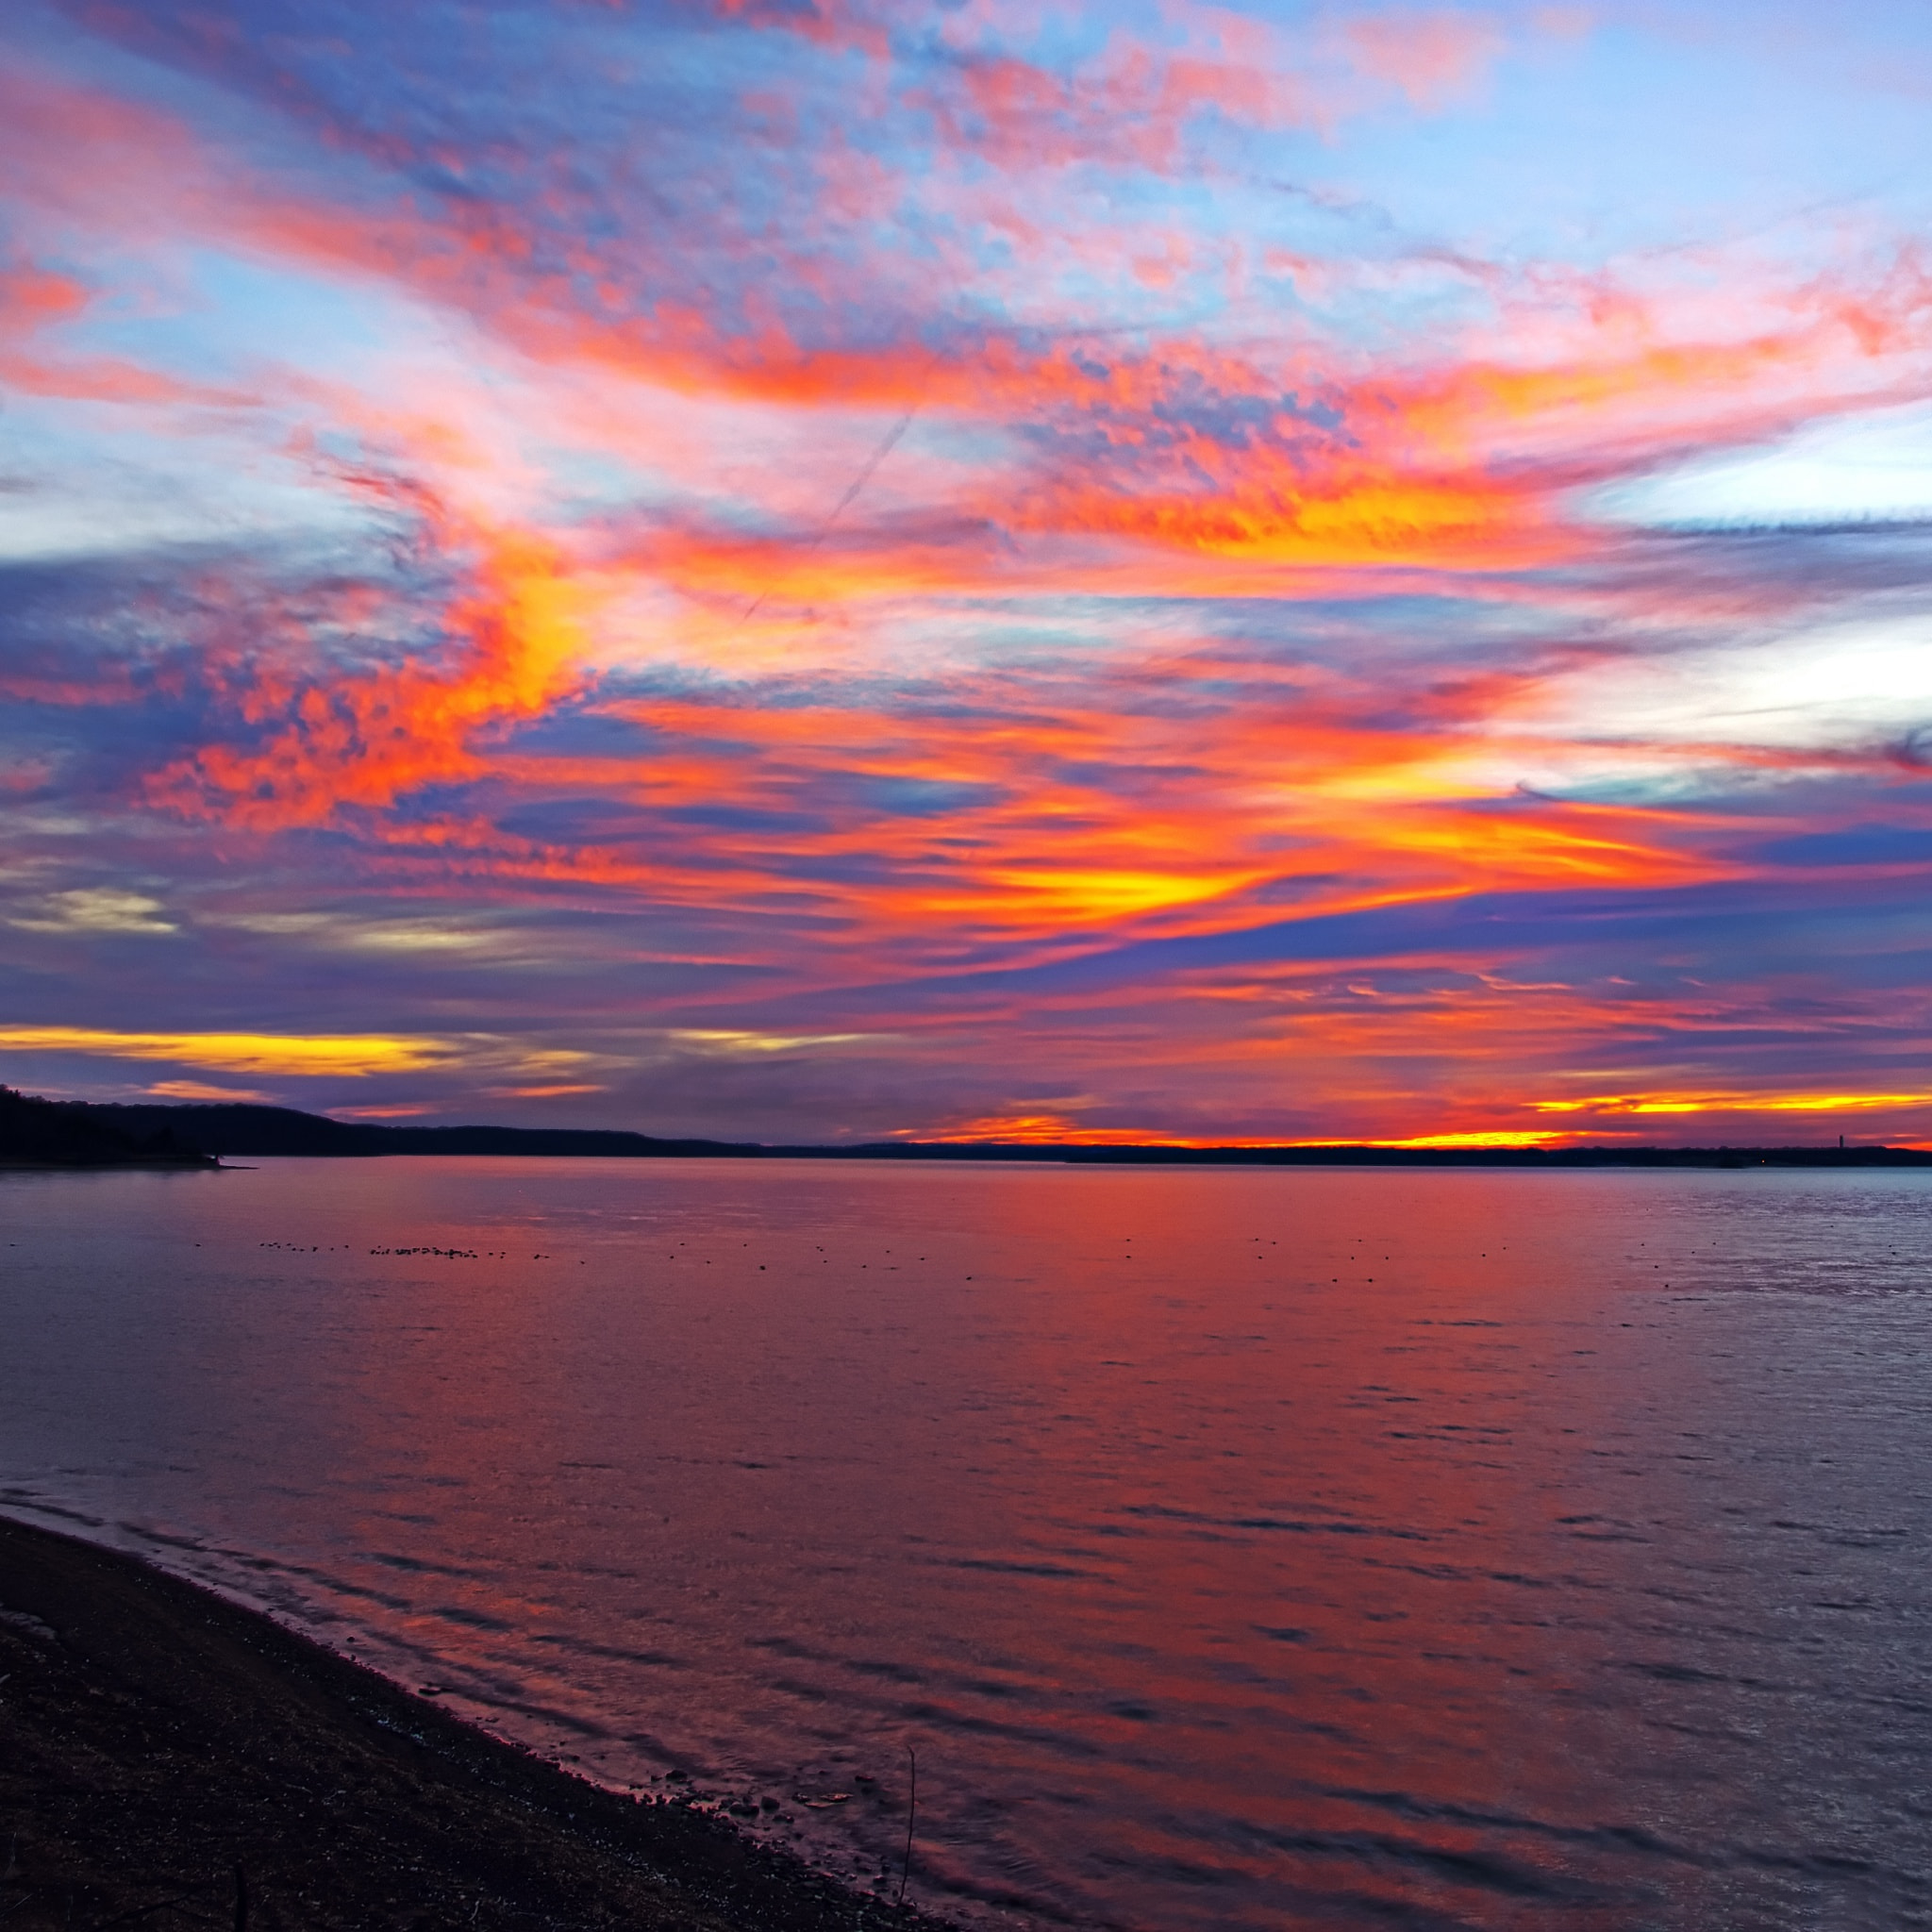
[{"x": 95, "y": 908}]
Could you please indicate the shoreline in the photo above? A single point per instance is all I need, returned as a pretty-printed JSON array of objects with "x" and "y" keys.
[
  {"x": 132, "y": 1132},
  {"x": 156, "y": 1740},
  {"x": 210, "y": 1164}
]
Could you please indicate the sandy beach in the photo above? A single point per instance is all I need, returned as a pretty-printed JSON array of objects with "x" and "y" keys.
[{"x": 167, "y": 1758}]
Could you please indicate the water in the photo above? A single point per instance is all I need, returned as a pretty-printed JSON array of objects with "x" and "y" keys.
[{"x": 1235, "y": 1549}]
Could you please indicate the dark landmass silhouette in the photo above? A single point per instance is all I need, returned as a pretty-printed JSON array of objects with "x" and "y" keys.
[
  {"x": 235, "y": 1128},
  {"x": 52, "y": 1133}
]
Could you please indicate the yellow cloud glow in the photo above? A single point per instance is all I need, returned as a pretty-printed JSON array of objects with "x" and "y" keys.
[
  {"x": 352, "y": 1054},
  {"x": 725, "y": 1040},
  {"x": 1732, "y": 1102},
  {"x": 1532, "y": 1138},
  {"x": 1084, "y": 897}
]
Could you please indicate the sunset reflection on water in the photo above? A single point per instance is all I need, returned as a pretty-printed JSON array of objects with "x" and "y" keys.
[{"x": 1236, "y": 1549}]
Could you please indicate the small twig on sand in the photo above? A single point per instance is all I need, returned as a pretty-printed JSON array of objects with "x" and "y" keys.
[{"x": 911, "y": 1811}]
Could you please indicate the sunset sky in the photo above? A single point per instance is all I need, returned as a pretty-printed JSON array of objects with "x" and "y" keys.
[{"x": 812, "y": 569}]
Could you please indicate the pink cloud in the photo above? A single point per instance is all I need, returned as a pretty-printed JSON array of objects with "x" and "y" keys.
[{"x": 1433, "y": 56}]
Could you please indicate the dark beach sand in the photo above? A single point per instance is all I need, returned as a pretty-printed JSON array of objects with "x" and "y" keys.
[{"x": 154, "y": 1737}]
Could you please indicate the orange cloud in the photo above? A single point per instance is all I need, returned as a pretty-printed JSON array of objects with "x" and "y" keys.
[
  {"x": 201, "y": 1090},
  {"x": 366, "y": 739}
]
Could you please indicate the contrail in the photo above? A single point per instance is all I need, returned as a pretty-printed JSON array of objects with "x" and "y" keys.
[{"x": 857, "y": 483}]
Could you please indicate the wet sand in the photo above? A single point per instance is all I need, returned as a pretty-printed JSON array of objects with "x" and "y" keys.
[{"x": 169, "y": 1759}]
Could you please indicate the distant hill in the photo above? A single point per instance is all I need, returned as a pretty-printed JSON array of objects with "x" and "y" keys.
[
  {"x": 52, "y": 1133},
  {"x": 235, "y": 1128}
]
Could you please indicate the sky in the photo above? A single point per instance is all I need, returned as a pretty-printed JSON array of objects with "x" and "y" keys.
[{"x": 813, "y": 570}]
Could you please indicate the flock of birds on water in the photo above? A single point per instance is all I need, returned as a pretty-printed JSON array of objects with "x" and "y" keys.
[{"x": 504, "y": 1254}]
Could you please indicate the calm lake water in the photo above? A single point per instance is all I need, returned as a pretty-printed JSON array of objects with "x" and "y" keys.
[{"x": 1235, "y": 1549}]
